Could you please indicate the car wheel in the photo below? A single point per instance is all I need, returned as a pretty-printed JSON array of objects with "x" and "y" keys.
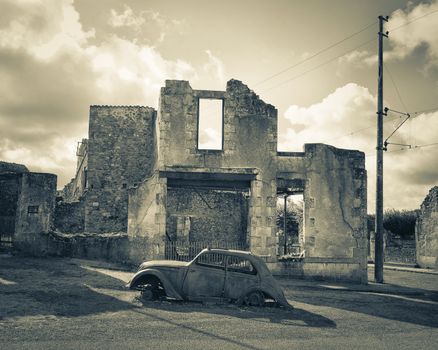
[
  {"x": 255, "y": 298},
  {"x": 148, "y": 294},
  {"x": 150, "y": 289}
]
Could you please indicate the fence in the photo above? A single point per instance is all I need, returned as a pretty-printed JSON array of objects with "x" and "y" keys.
[
  {"x": 5, "y": 241},
  {"x": 7, "y": 227},
  {"x": 186, "y": 251}
]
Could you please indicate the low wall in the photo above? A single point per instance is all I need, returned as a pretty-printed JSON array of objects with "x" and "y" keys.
[
  {"x": 335, "y": 270},
  {"x": 400, "y": 251},
  {"x": 114, "y": 247},
  {"x": 69, "y": 217}
]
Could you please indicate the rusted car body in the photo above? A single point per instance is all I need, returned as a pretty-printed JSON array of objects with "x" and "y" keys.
[{"x": 214, "y": 274}]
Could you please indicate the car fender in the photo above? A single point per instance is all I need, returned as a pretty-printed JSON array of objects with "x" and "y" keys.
[
  {"x": 267, "y": 289},
  {"x": 168, "y": 287}
]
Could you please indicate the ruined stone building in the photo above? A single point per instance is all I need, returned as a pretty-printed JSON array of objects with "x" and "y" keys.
[
  {"x": 426, "y": 231},
  {"x": 142, "y": 172},
  {"x": 27, "y": 203}
]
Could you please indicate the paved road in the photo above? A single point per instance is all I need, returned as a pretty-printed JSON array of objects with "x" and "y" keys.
[{"x": 74, "y": 304}]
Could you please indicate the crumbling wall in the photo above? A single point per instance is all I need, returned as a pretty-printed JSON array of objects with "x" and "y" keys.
[
  {"x": 121, "y": 153},
  {"x": 70, "y": 217},
  {"x": 206, "y": 215},
  {"x": 335, "y": 209},
  {"x": 9, "y": 192},
  {"x": 6, "y": 167},
  {"x": 249, "y": 141},
  {"x": 147, "y": 209},
  {"x": 75, "y": 189},
  {"x": 35, "y": 208},
  {"x": 426, "y": 231}
]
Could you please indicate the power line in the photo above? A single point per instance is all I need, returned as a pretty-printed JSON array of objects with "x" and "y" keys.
[
  {"x": 317, "y": 67},
  {"x": 335, "y": 44},
  {"x": 350, "y": 133},
  {"x": 425, "y": 111},
  {"x": 412, "y": 20},
  {"x": 396, "y": 88},
  {"x": 314, "y": 55},
  {"x": 358, "y": 130},
  {"x": 407, "y": 148}
]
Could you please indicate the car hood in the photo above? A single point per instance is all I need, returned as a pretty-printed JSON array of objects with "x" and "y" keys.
[{"x": 162, "y": 263}]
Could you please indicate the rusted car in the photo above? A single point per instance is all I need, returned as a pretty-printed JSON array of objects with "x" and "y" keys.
[{"x": 213, "y": 275}]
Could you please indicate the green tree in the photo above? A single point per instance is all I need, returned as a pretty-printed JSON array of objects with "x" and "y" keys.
[
  {"x": 399, "y": 222},
  {"x": 294, "y": 219}
]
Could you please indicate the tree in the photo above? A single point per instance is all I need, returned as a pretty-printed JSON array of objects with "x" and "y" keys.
[
  {"x": 294, "y": 219},
  {"x": 399, "y": 222}
]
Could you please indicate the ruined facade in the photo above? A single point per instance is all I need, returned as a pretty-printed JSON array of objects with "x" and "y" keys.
[
  {"x": 142, "y": 172},
  {"x": 426, "y": 231},
  {"x": 119, "y": 153},
  {"x": 27, "y": 203}
]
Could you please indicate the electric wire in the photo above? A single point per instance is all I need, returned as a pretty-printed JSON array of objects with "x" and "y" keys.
[
  {"x": 316, "y": 67},
  {"x": 412, "y": 20},
  {"x": 395, "y": 87},
  {"x": 326, "y": 62},
  {"x": 315, "y": 54}
]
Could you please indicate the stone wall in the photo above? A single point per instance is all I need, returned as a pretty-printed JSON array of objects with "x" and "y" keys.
[
  {"x": 147, "y": 209},
  {"x": 121, "y": 153},
  {"x": 76, "y": 188},
  {"x": 426, "y": 231},
  {"x": 69, "y": 217},
  {"x": 249, "y": 142},
  {"x": 9, "y": 191},
  {"x": 400, "y": 251},
  {"x": 35, "y": 208},
  {"x": 335, "y": 233},
  {"x": 206, "y": 215},
  {"x": 6, "y": 167}
]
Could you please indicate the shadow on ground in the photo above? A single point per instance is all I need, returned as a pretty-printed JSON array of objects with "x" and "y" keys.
[
  {"x": 273, "y": 314},
  {"x": 69, "y": 288},
  {"x": 30, "y": 287},
  {"x": 390, "y": 301}
]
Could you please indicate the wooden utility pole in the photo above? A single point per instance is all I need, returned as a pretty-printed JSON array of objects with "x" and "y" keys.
[
  {"x": 285, "y": 225},
  {"x": 379, "y": 253}
]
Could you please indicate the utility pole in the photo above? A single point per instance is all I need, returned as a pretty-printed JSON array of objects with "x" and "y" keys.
[
  {"x": 285, "y": 224},
  {"x": 379, "y": 253}
]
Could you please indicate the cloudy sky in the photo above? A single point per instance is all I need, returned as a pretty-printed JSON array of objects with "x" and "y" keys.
[{"x": 57, "y": 57}]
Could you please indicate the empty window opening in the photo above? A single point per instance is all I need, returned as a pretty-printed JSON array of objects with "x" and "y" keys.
[
  {"x": 32, "y": 209},
  {"x": 210, "y": 124},
  {"x": 290, "y": 230}
]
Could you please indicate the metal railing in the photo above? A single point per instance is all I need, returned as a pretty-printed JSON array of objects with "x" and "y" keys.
[
  {"x": 186, "y": 251},
  {"x": 6, "y": 241}
]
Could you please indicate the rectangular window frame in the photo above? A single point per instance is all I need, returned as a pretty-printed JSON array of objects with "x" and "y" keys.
[
  {"x": 206, "y": 150},
  {"x": 33, "y": 209}
]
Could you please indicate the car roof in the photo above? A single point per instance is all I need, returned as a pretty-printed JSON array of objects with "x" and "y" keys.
[{"x": 227, "y": 251}]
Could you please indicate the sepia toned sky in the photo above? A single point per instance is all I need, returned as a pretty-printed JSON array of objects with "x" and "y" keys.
[{"x": 57, "y": 57}]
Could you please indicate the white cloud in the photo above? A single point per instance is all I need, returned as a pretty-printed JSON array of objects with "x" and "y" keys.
[
  {"x": 45, "y": 29},
  {"x": 404, "y": 39},
  {"x": 210, "y": 138},
  {"x": 346, "y": 119},
  {"x": 126, "y": 19},
  {"x": 408, "y": 30},
  {"x": 66, "y": 72},
  {"x": 215, "y": 66},
  {"x": 141, "y": 22}
]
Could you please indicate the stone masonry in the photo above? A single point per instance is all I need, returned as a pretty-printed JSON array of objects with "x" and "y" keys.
[
  {"x": 426, "y": 231},
  {"x": 140, "y": 171},
  {"x": 333, "y": 181}
]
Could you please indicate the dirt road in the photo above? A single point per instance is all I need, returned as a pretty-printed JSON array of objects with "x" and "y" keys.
[{"x": 74, "y": 304}]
